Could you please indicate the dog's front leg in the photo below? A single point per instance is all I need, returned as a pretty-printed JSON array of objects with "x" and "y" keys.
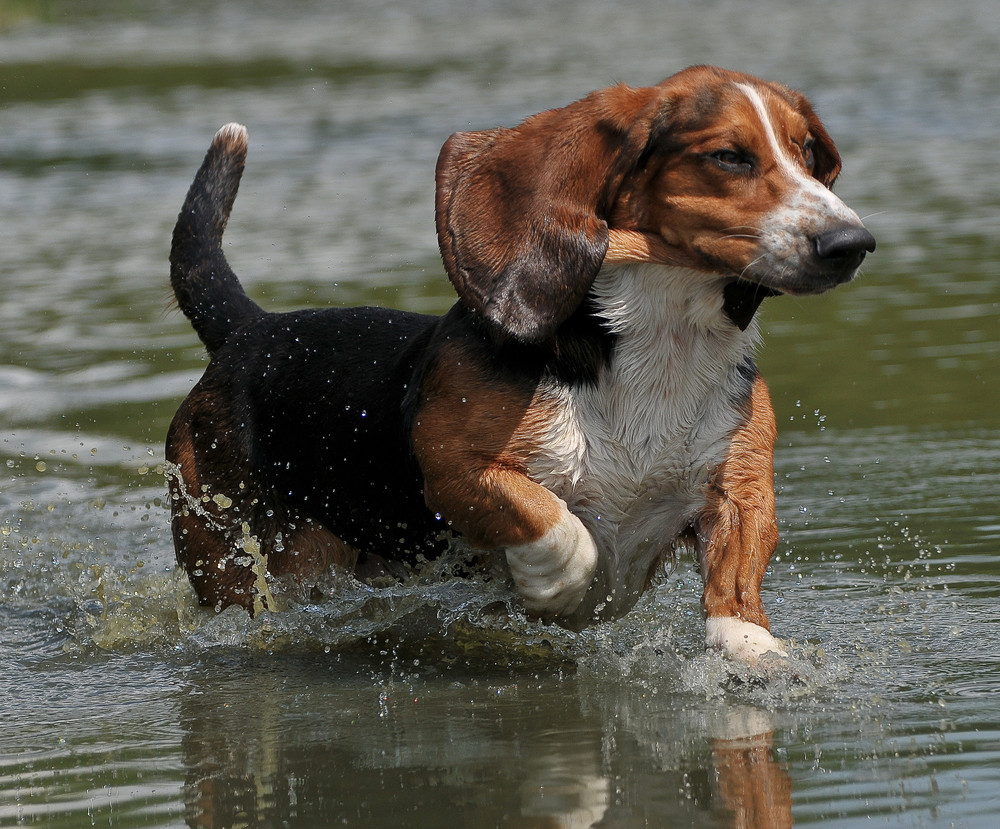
[
  {"x": 737, "y": 535},
  {"x": 553, "y": 572},
  {"x": 472, "y": 442},
  {"x": 551, "y": 555}
]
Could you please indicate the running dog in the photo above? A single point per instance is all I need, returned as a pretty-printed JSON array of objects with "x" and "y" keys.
[{"x": 589, "y": 402}]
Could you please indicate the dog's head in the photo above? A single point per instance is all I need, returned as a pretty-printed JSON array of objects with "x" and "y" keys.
[{"x": 710, "y": 170}]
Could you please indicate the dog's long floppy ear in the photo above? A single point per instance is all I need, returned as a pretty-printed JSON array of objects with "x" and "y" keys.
[{"x": 520, "y": 212}]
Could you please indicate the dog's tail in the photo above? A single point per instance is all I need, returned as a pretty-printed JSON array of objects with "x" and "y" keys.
[{"x": 206, "y": 288}]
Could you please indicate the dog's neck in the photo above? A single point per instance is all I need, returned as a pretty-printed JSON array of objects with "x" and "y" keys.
[
  {"x": 675, "y": 347},
  {"x": 643, "y": 301},
  {"x": 665, "y": 320}
]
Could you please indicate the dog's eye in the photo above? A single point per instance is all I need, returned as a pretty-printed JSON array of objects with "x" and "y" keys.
[
  {"x": 807, "y": 153},
  {"x": 731, "y": 160}
]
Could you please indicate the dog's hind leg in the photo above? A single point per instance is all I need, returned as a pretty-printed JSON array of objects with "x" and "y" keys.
[{"x": 230, "y": 534}]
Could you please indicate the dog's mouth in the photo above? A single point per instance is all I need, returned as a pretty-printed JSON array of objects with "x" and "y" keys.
[
  {"x": 742, "y": 296},
  {"x": 807, "y": 281}
]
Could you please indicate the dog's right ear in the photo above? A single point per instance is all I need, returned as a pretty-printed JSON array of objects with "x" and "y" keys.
[{"x": 521, "y": 212}]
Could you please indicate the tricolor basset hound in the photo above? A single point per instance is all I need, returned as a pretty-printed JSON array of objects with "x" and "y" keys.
[{"x": 591, "y": 400}]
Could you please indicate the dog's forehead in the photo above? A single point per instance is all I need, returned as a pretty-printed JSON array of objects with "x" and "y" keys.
[{"x": 717, "y": 99}]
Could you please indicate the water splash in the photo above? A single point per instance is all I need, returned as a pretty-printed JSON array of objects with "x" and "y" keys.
[
  {"x": 247, "y": 544},
  {"x": 453, "y": 614}
]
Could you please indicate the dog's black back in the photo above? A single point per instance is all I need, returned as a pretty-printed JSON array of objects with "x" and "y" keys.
[{"x": 328, "y": 387}]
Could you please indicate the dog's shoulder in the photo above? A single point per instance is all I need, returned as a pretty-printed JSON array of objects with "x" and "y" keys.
[{"x": 462, "y": 344}]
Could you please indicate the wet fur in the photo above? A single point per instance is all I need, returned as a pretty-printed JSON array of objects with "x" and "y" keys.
[{"x": 589, "y": 401}]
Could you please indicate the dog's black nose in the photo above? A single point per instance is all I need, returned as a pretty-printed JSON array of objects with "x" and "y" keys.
[{"x": 845, "y": 246}]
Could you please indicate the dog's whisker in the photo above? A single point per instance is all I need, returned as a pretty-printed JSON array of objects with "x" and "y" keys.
[
  {"x": 867, "y": 216},
  {"x": 743, "y": 228},
  {"x": 751, "y": 264}
]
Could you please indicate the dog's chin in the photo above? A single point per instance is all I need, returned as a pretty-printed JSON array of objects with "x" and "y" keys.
[{"x": 801, "y": 284}]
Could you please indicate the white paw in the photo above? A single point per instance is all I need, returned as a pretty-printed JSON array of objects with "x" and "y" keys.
[
  {"x": 552, "y": 574},
  {"x": 740, "y": 640}
]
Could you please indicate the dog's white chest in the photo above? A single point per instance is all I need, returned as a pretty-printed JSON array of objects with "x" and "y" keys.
[{"x": 632, "y": 454}]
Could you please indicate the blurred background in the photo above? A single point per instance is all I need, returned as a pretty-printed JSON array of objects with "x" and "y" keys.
[{"x": 123, "y": 702}]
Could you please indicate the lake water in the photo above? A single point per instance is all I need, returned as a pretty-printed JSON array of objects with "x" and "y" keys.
[{"x": 124, "y": 704}]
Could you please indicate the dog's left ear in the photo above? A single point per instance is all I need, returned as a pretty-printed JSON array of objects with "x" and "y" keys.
[
  {"x": 827, "y": 166},
  {"x": 521, "y": 212}
]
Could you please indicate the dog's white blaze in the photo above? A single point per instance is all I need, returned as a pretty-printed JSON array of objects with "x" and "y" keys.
[
  {"x": 781, "y": 153},
  {"x": 631, "y": 455}
]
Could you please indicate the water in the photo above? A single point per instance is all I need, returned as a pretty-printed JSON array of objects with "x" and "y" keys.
[{"x": 435, "y": 702}]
